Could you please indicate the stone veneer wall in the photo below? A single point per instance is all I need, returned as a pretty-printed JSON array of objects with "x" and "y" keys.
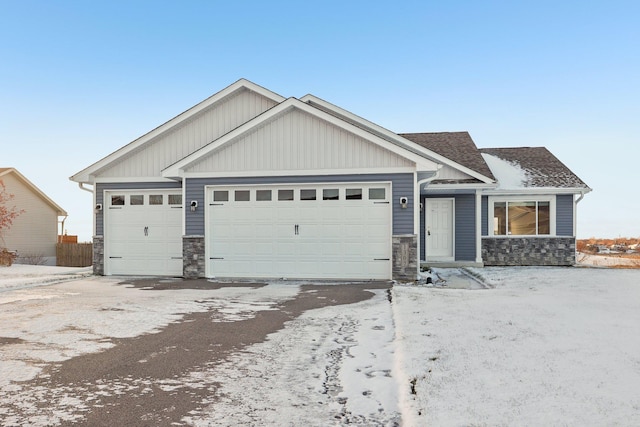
[
  {"x": 193, "y": 262},
  {"x": 98, "y": 255},
  {"x": 560, "y": 251},
  {"x": 405, "y": 257}
]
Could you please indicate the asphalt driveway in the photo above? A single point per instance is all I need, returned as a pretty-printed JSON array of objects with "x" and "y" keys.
[{"x": 126, "y": 384}]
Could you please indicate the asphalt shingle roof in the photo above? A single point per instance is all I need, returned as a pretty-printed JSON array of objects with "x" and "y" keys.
[
  {"x": 456, "y": 146},
  {"x": 542, "y": 168}
]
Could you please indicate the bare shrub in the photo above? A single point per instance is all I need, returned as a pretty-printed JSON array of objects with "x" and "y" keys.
[{"x": 33, "y": 259}]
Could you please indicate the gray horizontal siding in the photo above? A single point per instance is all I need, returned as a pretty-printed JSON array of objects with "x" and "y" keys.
[
  {"x": 564, "y": 215},
  {"x": 485, "y": 216},
  {"x": 465, "y": 227},
  {"x": 402, "y": 186},
  {"x": 100, "y": 189}
]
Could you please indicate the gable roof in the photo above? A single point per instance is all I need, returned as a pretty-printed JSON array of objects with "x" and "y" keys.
[
  {"x": 177, "y": 169},
  {"x": 33, "y": 188},
  {"x": 457, "y": 146},
  {"x": 401, "y": 139},
  {"x": 242, "y": 84},
  {"x": 540, "y": 168}
]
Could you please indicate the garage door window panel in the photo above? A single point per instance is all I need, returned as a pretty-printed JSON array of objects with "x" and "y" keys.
[
  {"x": 285, "y": 195},
  {"x": 330, "y": 194},
  {"x": 175, "y": 199},
  {"x": 263, "y": 195},
  {"x": 353, "y": 194},
  {"x": 308, "y": 194},
  {"x": 221, "y": 196},
  {"x": 117, "y": 200},
  {"x": 377, "y": 194},
  {"x": 136, "y": 199},
  {"x": 242, "y": 195},
  {"x": 156, "y": 199}
]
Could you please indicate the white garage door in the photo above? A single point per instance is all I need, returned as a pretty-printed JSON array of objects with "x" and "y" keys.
[
  {"x": 331, "y": 231},
  {"x": 143, "y": 233}
]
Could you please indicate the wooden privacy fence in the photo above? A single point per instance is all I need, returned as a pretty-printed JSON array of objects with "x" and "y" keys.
[{"x": 74, "y": 254}]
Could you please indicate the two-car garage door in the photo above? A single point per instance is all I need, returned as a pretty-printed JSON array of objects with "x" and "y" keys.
[{"x": 331, "y": 231}]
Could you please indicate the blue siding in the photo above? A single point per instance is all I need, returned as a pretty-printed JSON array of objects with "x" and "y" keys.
[
  {"x": 465, "y": 226},
  {"x": 485, "y": 216},
  {"x": 100, "y": 188},
  {"x": 402, "y": 186},
  {"x": 564, "y": 215}
]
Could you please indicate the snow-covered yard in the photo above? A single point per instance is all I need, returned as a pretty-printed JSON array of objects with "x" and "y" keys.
[{"x": 537, "y": 346}]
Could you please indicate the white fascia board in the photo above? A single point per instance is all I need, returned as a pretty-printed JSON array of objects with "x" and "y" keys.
[
  {"x": 450, "y": 187},
  {"x": 404, "y": 142},
  {"x": 143, "y": 179},
  {"x": 297, "y": 172},
  {"x": 36, "y": 190},
  {"x": 178, "y": 168},
  {"x": 85, "y": 175},
  {"x": 538, "y": 190}
]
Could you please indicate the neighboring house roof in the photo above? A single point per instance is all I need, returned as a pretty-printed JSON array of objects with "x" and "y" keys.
[
  {"x": 457, "y": 146},
  {"x": 33, "y": 188},
  {"x": 538, "y": 168}
]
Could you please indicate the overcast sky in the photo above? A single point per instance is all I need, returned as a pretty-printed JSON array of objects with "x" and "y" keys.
[{"x": 80, "y": 79}]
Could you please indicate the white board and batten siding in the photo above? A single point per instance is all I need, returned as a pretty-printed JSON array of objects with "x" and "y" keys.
[
  {"x": 180, "y": 141},
  {"x": 298, "y": 141}
]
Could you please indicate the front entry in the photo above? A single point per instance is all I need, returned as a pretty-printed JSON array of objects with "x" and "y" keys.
[{"x": 439, "y": 232}]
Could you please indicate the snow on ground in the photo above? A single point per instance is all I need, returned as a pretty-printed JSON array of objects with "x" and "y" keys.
[
  {"x": 20, "y": 276},
  {"x": 546, "y": 346},
  {"x": 590, "y": 260},
  {"x": 534, "y": 346}
]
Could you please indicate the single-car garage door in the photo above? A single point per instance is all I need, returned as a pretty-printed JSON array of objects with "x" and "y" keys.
[
  {"x": 143, "y": 233},
  {"x": 330, "y": 231}
]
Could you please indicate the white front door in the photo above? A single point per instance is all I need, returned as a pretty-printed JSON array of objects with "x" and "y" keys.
[
  {"x": 331, "y": 231},
  {"x": 143, "y": 232},
  {"x": 439, "y": 233}
]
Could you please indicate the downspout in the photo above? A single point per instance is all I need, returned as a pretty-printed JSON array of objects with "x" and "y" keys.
[
  {"x": 81, "y": 185},
  {"x": 62, "y": 228},
  {"x": 575, "y": 213}
]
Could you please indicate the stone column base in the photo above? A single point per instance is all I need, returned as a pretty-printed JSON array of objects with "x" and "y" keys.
[
  {"x": 193, "y": 261},
  {"x": 98, "y": 255},
  {"x": 405, "y": 257}
]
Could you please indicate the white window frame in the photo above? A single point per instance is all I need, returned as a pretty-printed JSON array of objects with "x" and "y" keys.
[{"x": 520, "y": 198}]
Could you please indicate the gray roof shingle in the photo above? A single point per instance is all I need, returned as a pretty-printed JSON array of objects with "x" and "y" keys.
[
  {"x": 456, "y": 146},
  {"x": 542, "y": 168}
]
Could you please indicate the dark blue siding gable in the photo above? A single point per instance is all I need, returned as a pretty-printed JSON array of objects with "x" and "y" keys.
[
  {"x": 564, "y": 215},
  {"x": 402, "y": 186}
]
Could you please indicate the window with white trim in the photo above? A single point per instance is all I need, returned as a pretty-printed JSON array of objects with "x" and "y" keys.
[{"x": 522, "y": 217}]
